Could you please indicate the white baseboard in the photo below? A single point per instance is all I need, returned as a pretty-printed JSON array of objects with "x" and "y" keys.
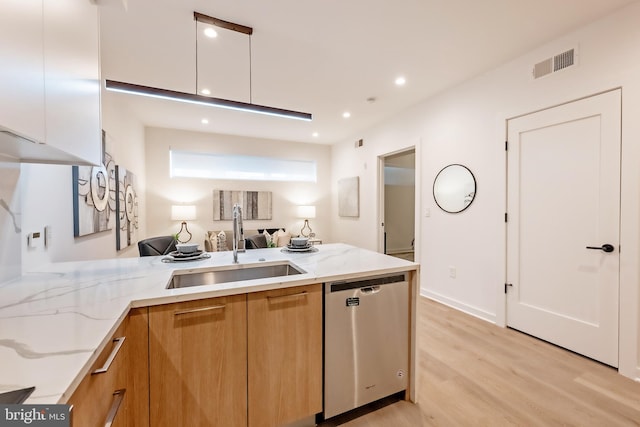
[
  {"x": 637, "y": 378},
  {"x": 458, "y": 305}
]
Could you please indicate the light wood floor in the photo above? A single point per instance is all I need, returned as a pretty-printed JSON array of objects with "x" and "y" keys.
[{"x": 473, "y": 373}]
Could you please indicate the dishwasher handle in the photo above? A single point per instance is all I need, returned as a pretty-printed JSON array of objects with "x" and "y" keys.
[
  {"x": 371, "y": 282},
  {"x": 367, "y": 290}
]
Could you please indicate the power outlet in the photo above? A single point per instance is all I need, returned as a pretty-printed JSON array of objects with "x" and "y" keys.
[{"x": 452, "y": 272}]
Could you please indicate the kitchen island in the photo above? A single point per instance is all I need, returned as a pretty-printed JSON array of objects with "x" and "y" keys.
[{"x": 55, "y": 322}]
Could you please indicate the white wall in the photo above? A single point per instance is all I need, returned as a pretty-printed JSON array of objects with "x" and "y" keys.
[
  {"x": 47, "y": 196},
  {"x": 164, "y": 191},
  {"x": 466, "y": 125}
]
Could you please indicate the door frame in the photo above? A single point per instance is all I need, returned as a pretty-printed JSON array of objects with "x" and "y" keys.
[{"x": 418, "y": 197}]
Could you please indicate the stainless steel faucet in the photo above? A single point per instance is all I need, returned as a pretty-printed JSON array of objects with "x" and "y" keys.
[{"x": 238, "y": 232}]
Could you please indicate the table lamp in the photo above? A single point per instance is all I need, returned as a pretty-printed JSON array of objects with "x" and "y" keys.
[
  {"x": 306, "y": 212},
  {"x": 183, "y": 213}
]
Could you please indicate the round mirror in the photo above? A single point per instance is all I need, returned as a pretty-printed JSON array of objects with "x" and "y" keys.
[{"x": 454, "y": 188}]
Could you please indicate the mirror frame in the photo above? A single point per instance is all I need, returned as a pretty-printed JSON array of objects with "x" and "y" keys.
[{"x": 475, "y": 188}]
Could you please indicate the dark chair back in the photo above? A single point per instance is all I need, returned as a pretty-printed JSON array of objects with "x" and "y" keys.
[
  {"x": 256, "y": 241},
  {"x": 154, "y": 246}
]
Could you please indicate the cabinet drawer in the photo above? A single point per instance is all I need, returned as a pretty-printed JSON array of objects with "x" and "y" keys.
[{"x": 102, "y": 392}]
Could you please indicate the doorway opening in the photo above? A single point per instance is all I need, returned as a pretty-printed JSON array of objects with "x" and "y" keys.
[{"x": 397, "y": 204}]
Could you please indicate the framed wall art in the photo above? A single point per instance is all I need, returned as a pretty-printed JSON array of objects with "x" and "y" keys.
[
  {"x": 126, "y": 208},
  {"x": 255, "y": 204},
  {"x": 94, "y": 195}
]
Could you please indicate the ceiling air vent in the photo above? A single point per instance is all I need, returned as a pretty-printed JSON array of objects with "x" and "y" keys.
[
  {"x": 556, "y": 63},
  {"x": 563, "y": 60},
  {"x": 543, "y": 68}
]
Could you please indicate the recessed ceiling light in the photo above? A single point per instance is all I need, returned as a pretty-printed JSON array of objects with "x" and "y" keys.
[
  {"x": 346, "y": 114},
  {"x": 205, "y": 121},
  {"x": 400, "y": 81},
  {"x": 315, "y": 134},
  {"x": 205, "y": 91},
  {"x": 211, "y": 33}
]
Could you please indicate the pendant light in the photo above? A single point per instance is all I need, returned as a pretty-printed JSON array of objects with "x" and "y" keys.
[{"x": 195, "y": 98}]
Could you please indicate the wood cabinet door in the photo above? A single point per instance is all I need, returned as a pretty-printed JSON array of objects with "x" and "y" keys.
[
  {"x": 198, "y": 363},
  {"x": 94, "y": 401},
  {"x": 136, "y": 401},
  {"x": 284, "y": 355}
]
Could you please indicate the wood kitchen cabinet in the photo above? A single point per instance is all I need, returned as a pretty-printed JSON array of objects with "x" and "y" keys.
[
  {"x": 116, "y": 387},
  {"x": 284, "y": 355},
  {"x": 136, "y": 411},
  {"x": 198, "y": 363}
]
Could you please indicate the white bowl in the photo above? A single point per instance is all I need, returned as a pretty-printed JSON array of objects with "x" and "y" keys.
[
  {"x": 299, "y": 241},
  {"x": 187, "y": 248}
]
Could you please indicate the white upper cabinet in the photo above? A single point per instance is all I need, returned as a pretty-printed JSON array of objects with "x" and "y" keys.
[
  {"x": 72, "y": 78},
  {"x": 50, "y": 81},
  {"x": 21, "y": 68}
]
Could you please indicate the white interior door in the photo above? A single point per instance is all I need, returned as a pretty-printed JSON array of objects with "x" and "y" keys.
[{"x": 564, "y": 196}]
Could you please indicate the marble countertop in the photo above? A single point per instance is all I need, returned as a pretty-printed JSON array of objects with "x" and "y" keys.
[{"x": 54, "y": 322}]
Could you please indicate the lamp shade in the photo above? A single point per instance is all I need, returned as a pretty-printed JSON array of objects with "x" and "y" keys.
[
  {"x": 306, "y": 212},
  {"x": 183, "y": 212}
]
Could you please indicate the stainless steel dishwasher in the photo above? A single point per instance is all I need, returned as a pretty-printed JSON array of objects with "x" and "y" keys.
[{"x": 366, "y": 342}]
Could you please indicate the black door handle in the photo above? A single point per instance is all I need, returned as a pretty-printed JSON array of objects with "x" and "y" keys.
[{"x": 606, "y": 247}]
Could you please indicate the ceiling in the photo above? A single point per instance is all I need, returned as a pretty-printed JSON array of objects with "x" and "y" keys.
[{"x": 322, "y": 57}]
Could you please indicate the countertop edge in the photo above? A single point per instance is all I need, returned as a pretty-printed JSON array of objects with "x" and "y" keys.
[{"x": 66, "y": 395}]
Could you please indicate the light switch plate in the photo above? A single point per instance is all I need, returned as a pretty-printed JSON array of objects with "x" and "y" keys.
[{"x": 33, "y": 239}]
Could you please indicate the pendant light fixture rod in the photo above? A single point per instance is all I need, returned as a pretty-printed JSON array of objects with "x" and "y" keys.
[
  {"x": 196, "y": 90},
  {"x": 250, "y": 74}
]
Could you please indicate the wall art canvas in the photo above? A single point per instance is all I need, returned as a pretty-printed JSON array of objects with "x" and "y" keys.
[
  {"x": 94, "y": 195},
  {"x": 255, "y": 204},
  {"x": 349, "y": 197},
  {"x": 126, "y": 208}
]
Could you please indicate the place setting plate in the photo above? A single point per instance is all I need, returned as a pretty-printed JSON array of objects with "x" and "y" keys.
[
  {"x": 292, "y": 248},
  {"x": 176, "y": 256}
]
